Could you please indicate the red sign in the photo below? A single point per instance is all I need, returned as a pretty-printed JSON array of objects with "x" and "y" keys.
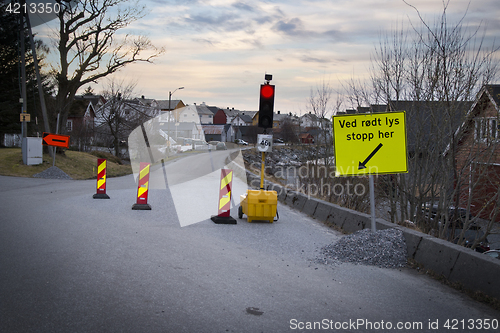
[{"x": 56, "y": 140}]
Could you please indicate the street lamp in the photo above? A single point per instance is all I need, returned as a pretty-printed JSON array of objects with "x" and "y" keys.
[
  {"x": 169, "y": 112},
  {"x": 170, "y": 93}
]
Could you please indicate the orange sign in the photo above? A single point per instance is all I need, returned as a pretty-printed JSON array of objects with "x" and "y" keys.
[{"x": 56, "y": 140}]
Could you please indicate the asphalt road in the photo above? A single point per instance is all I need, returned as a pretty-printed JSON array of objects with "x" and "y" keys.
[{"x": 70, "y": 263}]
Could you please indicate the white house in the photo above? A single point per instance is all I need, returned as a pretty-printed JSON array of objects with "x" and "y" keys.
[
  {"x": 188, "y": 114},
  {"x": 206, "y": 116}
]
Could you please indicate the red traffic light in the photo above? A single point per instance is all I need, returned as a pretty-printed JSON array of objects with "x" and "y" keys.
[{"x": 267, "y": 91}]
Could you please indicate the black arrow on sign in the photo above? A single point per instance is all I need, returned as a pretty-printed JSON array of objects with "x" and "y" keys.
[{"x": 362, "y": 165}]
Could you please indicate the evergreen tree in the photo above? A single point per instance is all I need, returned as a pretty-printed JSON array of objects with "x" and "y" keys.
[{"x": 10, "y": 70}]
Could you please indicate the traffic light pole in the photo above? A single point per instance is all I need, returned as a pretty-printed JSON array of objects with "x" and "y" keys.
[
  {"x": 263, "y": 166},
  {"x": 266, "y": 107}
]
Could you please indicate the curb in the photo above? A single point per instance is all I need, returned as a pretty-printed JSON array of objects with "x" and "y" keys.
[{"x": 475, "y": 271}]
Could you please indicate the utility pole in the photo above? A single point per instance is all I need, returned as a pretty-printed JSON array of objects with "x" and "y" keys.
[{"x": 24, "y": 125}]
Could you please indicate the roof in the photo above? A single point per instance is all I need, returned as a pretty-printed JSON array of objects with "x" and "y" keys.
[
  {"x": 81, "y": 104},
  {"x": 489, "y": 91},
  {"x": 214, "y": 109},
  {"x": 145, "y": 101},
  {"x": 163, "y": 104},
  {"x": 78, "y": 108},
  {"x": 183, "y": 126},
  {"x": 244, "y": 117},
  {"x": 203, "y": 110},
  {"x": 213, "y": 129},
  {"x": 231, "y": 113},
  {"x": 427, "y": 119},
  {"x": 493, "y": 91},
  {"x": 280, "y": 116}
]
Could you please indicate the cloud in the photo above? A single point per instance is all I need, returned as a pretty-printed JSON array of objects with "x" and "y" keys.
[
  {"x": 242, "y": 6},
  {"x": 306, "y": 58},
  {"x": 290, "y": 27},
  {"x": 294, "y": 27}
]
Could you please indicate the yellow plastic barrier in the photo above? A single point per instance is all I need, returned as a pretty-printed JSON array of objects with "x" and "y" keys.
[{"x": 258, "y": 205}]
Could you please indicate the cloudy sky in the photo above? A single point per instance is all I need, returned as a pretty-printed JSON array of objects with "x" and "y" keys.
[{"x": 219, "y": 50}]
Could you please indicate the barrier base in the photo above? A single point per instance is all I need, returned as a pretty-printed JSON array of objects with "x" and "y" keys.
[
  {"x": 100, "y": 196},
  {"x": 141, "y": 207},
  {"x": 223, "y": 219}
]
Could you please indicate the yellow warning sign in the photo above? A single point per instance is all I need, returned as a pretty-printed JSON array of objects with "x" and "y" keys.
[
  {"x": 370, "y": 143},
  {"x": 25, "y": 117}
]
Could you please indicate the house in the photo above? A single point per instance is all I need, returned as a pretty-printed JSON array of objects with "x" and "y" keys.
[
  {"x": 477, "y": 143},
  {"x": 166, "y": 106},
  {"x": 242, "y": 119},
  {"x": 277, "y": 118},
  {"x": 121, "y": 116},
  {"x": 147, "y": 101},
  {"x": 206, "y": 116},
  {"x": 306, "y": 138},
  {"x": 80, "y": 124},
  {"x": 231, "y": 113},
  {"x": 220, "y": 118},
  {"x": 187, "y": 130},
  {"x": 187, "y": 114},
  {"x": 223, "y": 133},
  {"x": 82, "y": 112},
  {"x": 430, "y": 125}
]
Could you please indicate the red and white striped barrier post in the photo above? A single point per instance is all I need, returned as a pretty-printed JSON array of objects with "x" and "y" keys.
[
  {"x": 142, "y": 188},
  {"x": 101, "y": 180},
  {"x": 226, "y": 181}
]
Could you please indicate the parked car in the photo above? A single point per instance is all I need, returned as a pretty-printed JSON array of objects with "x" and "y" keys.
[
  {"x": 432, "y": 211},
  {"x": 493, "y": 253},
  {"x": 241, "y": 142},
  {"x": 220, "y": 146},
  {"x": 472, "y": 232}
]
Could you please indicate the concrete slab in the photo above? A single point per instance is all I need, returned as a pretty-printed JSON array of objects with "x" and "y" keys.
[
  {"x": 310, "y": 206},
  {"x": 437, "y": 254},
  {"x": 322, "y": 210},
  {"x": 299, "y": 200},
  {"x": 282, "y": 194},
  {"x": 358, "y": 221},
  {"x": 477, "y": 271},
  {"x": 338, "y": 215},
  {"x": 413, "y": 239}
]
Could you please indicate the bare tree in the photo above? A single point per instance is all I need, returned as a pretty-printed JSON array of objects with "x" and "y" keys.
[
  {"x": 121, "y": 114},
  {"x": 432, "y": 72},
  {"x": 289, "y": 131},
  {"x": 89, "y": 47},
  {"x": 321, "y": 110}
]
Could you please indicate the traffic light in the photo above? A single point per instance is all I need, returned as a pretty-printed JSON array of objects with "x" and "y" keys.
[{"x": 266, "y": 105}]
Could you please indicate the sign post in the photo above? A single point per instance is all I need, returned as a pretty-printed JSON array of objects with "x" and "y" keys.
[
  {"x": 370, "y": 144},
  {"x": 55, "y": 140}
]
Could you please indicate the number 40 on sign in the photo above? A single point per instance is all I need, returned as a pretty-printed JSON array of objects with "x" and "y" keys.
[{"x": 265, "y": 143}]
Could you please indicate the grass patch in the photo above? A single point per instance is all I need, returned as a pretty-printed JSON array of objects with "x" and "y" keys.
[{"x": 77, "y": 165}]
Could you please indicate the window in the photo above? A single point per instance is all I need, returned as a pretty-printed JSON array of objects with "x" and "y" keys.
[
  {"x": 69, "y": 125},
  {"x": 487, "y": 129}
]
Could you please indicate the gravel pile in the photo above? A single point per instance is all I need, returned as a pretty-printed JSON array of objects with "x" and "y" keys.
[
  {"x": 383, "y": 248},
  {"x": 52, "y": 173}
]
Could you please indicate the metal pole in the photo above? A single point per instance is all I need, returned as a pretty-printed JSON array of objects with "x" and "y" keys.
[
  {"x": 168, "y": 125},
  {"x": 372, "y": 203},
  {"x": 38, "y": 78},
  {"x": 24, "y": 124},
  {"x": 262, "y": 169},
  {"x": 55, "y": 148}
]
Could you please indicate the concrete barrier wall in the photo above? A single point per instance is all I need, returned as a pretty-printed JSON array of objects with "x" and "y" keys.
[{"x": 475, "y": 271}]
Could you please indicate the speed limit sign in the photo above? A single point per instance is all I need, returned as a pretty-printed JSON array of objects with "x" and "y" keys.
[{"x": 265, "y": 143}]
